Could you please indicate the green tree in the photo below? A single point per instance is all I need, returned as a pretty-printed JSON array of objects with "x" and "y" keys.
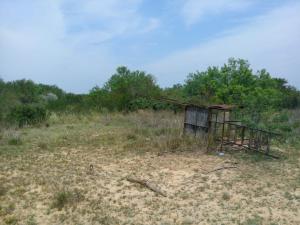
[
  {"x": 235, "y": 83},
  {"x": 126, "y": 90}
]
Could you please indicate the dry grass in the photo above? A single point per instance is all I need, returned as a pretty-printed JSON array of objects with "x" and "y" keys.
[{"x": 73, "y": 172}]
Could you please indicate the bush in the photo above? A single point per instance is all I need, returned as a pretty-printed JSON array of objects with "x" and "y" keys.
[
  {"x": 27, "y": 115},
  {"x": 15, "y": 141},
  {"x": 61, "y": 199},
  {"x": 65, "y": 197},
  {"x": 125, "y": 90},
  {"x": 226, "y": 196},
  {"x": 281, "y": 118},
  {"x": 139, "y": 103}
]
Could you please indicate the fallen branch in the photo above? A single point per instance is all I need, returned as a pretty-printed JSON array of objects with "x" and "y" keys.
[
  {"x": 232, "y": 163},
  {"x": 146, "y": 184},
  {"x": 222, "y": 168}
]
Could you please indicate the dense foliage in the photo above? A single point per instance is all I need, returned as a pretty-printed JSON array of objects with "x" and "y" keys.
[
  {"x": 125, "y": 90},
  {"x": 24, "y": 102},
  {"x": 27, "y": 114},
  {"x": 235, "y": 83}
]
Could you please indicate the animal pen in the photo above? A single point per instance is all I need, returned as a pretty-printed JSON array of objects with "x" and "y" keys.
[{"x": 215, "y": 125}]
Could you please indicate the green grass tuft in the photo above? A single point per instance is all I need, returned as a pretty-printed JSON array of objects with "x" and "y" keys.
[
  {"x": 61, "y": 199},
  {"x": 226, "y": 196}
]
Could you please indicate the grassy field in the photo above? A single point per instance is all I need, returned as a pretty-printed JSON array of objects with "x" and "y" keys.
[{"x": 74, "y": 170}]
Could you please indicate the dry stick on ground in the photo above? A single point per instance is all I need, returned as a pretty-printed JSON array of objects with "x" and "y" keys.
[
  {"x": 146, "y": 184},
  {"x": 229, "y": 162},
  {"x": 222, "y": 168}
]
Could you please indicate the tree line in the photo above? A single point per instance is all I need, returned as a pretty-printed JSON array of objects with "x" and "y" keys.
[{"x": 25, "y": 102}]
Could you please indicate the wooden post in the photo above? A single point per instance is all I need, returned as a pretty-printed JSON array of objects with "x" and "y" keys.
[
  {"x": 209, "y": 130},
  {"x": 184, "y": 124},
  {"x": 229, "y": 133},
  {"x": 268, "y": 145},
  {"x": 243, "y": 136},
  {"x": 235, "y": 131},
  {"x": 196, "y": 122},
  {"x": 250, "y": 139},
  {"x": 223, "y": 129}
]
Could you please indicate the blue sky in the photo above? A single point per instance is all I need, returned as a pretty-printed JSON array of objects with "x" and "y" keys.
[{"x": 77, "y": 44}]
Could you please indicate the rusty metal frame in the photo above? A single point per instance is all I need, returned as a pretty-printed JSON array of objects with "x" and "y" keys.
[
  {"x": 245, "y": 137},
  {"x": 258, "y": 140},
  {"x": 232, "y": 133}
]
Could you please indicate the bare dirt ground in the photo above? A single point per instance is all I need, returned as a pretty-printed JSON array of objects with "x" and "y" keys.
[{"x": 71, "y": 182}]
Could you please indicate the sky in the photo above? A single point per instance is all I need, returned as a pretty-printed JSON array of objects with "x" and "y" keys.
[{"x": 78, "y": 44}]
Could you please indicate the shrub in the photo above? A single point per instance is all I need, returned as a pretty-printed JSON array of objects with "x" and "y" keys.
[
  {"x": 139, "y": 103},
  {"x": 27, "y": 115},
  {"x": 285, "y": 128},
  {"x": 65, "y": 197},
  {"x": 3, "y": 190},
  {"x": 256, "y": 220},
  {"x": 31, "y": 220},
  {"x": 61, "y": 199},
  {"x": 131, "y": 137},
  {"x": 42, "y": 145},
  {"x": 281, "y": 118},
  {"x": 11, "y": 220},
  {"x": 226, "y": 196},
  {"x": 15, "y": 141}
]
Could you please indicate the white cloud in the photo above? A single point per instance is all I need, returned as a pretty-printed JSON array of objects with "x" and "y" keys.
[
  {"x": 102, "y": 20},
  {"x": 270, "y": 41},
  {"x": 59, "y": 41},
  {"x": 69, "y": 42},
  {"x": 194, "y": 11}
]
